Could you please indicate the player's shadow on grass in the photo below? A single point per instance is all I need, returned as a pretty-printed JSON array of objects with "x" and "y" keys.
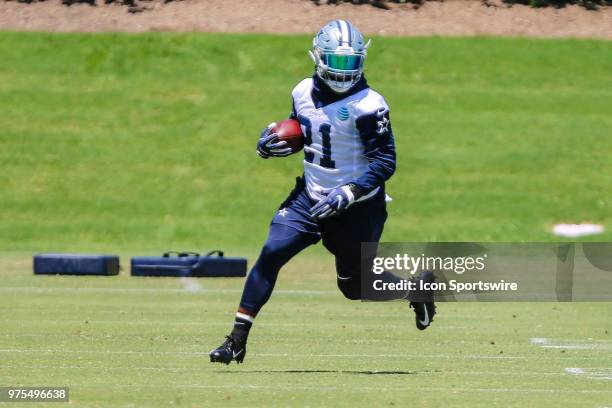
[{"x": 356, "y": 372}]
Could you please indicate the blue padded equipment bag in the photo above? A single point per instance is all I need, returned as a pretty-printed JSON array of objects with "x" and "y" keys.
[
  {"x": 189, "y": 264},
  {"x": 76, "y": 264}
]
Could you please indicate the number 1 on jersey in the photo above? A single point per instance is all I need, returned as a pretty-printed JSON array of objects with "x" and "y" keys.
[
  {"x": 325, "y": 131},
  {"x": 326, "y": 160}
]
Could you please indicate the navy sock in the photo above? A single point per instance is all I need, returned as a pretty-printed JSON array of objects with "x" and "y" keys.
[{"x": 242, "y": 325}]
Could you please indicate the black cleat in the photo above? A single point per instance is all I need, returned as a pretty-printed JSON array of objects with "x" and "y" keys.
[
  {"x": 422, "y": 301},
  {"x": 424, "y": 313},
  {"x": 231, "y": 349}
]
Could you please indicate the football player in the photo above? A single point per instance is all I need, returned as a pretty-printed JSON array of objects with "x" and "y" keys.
[{"x": 349, "y": 153}]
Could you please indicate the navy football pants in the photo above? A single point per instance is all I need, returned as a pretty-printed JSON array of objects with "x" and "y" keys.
[{"x": 292, "y": 230}]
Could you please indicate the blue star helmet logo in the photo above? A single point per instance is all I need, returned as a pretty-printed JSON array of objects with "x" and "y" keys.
[{"x": 343, "y": 113}]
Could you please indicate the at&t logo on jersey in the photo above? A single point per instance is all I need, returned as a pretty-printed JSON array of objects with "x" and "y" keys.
[{"x": 342, "y": 113}]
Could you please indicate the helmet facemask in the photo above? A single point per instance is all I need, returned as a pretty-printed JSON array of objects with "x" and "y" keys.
[{"x": 340, "y": 69}]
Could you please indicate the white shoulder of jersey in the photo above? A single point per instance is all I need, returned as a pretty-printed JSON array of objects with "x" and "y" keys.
[
  {"x": 372, "y": 101},
  {"x": 302, "y": 88}
]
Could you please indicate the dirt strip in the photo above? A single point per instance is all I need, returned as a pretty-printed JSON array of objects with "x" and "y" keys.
[{"x": 455, "y": 17}]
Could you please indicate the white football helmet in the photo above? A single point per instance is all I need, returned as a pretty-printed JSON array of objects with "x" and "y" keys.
[{"x": 339, "y": 51}]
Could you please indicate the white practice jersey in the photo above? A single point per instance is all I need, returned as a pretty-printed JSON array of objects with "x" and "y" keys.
[{"x": 334, "y": 150}]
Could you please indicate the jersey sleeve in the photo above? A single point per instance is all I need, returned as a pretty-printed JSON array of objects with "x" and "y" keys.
[
  {"x": 379, "y": 148},
  {"x": 298, "y": 93}
]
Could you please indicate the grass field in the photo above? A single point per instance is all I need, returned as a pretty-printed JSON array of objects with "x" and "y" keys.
[
  {"x": 141, "y": 143},
  {"x": 143, "y": 342},
  {"x": 146, "y": 142}
]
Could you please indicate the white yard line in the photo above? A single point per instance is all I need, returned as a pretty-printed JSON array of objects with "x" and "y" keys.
[
  {"x": 131, "y": 291},
  {"x": 401, "y": 322},
  {"x": 280, "y": 371},
  {"x": 356, "y": 388},
  {"x": 205, "y": 353},
  {"x": 93, "y": 322},
  {"x": 591, "y": 373},
  {"x": 291, "y": 355},
  {"x": 589, "y": 344}
]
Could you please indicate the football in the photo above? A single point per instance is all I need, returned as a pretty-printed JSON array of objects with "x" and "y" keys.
[{"x": 290, "y": 131}]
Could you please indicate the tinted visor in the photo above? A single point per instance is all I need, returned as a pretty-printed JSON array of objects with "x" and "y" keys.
[{"x": 343, "y": 62}]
